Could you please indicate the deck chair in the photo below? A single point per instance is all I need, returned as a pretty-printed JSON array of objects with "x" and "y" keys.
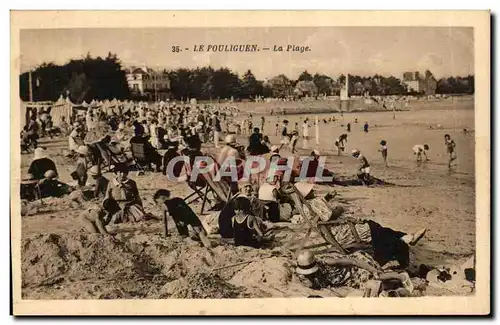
[
  {"x": 323, "y": 228},
  {"x": 206, "y": 185},
  {"x": 142, "y": 162},
  {"x": 111, "y": 157}
]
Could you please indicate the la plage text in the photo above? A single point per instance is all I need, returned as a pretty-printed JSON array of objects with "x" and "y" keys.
[{"x": 249, "y": 48}]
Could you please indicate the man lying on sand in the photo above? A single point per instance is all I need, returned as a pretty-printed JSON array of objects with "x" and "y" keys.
[{"x": 357, "y": 271}]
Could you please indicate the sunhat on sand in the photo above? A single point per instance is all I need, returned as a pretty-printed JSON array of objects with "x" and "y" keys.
[{"x": 306, "y": 263}]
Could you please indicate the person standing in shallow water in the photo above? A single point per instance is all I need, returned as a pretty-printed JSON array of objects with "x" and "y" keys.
[
  {"x": 450, "y": 148},
  {"x": 365, "y": 127}
]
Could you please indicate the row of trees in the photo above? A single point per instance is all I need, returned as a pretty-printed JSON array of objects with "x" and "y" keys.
[
  {"x": 103, "y": 78},
  {"x": 83, "y": 79}
]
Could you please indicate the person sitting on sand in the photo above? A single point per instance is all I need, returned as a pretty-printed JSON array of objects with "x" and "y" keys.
[
  {"x": 170, "y": 154},
  {"x": 230, "y": 149},
  {"x": 80, "y": 172},
  {"x": 246, "y": 229},
  {"x": 41, "y": 164},
  {"x": 357, "y": 271},
  {"x": 95, "y": 219},
  {"x": 420, "y": 150},
  {"x": 450, "y": 149},
  {"x": 383, "y": 150},
  {"x": 255, "y": 145},
  {"x": 363, "y": 168},
  {"x": 49, "y": 186},
  {"x": 124, "y": 191},
  {"x": 75, "y": 137},
  {"x": 269, "y": 198},
  {"x": 183, "y": 216},
  {"x": 150, "y": 152}
]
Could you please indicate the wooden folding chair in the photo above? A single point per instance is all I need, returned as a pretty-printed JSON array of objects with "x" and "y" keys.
[
  {"x": 323, "y": 228},
  {"x": 142, "y": 162},
  {"x": 205, "y": 185}
]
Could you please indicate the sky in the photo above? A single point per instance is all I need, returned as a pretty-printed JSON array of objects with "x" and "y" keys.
[{"x": 445, "y": 51}]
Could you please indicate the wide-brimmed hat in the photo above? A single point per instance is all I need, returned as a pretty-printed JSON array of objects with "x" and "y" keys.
[
  {"x": 315, "y": 152},
  {"x": 304, "y": 188},
  {"x": 306, "y": 263},
  {"x": 355, "y": 152},
  {"x": 83, "y": 150},
  {"x": 274, "y": 148},
  {"x": 94, "y": 171},
  {"x": 39, "y": 153}
]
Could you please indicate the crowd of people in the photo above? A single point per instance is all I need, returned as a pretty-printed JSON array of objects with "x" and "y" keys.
[{"x": 145, "y": 138}]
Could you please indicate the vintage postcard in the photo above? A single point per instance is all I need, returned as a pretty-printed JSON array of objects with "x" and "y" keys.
[{"x": 250, "y": 163}]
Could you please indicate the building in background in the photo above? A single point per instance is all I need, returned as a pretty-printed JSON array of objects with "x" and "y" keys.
[
  {"x": 424, "y": 84},
  {"x": 143, "y": 81}
]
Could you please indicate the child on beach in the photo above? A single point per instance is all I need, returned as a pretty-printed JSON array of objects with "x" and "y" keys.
[
  {"x": 420, "y": 150},
  {"x": 293, "y": 141},
  {"x": 450, "y": 148},
  {"x": 383, "y": 150}
]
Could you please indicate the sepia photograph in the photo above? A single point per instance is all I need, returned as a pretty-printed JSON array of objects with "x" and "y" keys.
[{"x": 343, "y": 158}]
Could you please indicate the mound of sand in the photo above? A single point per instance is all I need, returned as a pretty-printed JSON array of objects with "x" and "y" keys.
[
  {"x": 268, "y": 277},
  {"x": 201, "y": 285},
  {"x": 48, "y": 259}
]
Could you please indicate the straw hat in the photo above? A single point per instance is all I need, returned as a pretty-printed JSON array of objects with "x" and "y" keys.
[
  {"x": 121, "y": 126},
  {"x": 50, "y": 174},
  {"x": 316, "y": 152},
  {"x": 39, "y": 153},
  {"x": 355, "y": 152},
  {"x": 82, "y": 150},
  {"x": 94, "y": 171},
  {"x": 306, "y": 263},
  {"x": 304, "y": 188},
  {"x": 274, "y": 148}
]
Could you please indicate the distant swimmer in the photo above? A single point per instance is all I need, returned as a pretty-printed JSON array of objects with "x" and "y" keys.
[
  {"x": 348, "y": 127},
  {"x": 383, "y": 150},
  {"x": 420, "y": 150},
  {"x": 450, "y": 148},
  {"x": 363, "y": 168}
]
